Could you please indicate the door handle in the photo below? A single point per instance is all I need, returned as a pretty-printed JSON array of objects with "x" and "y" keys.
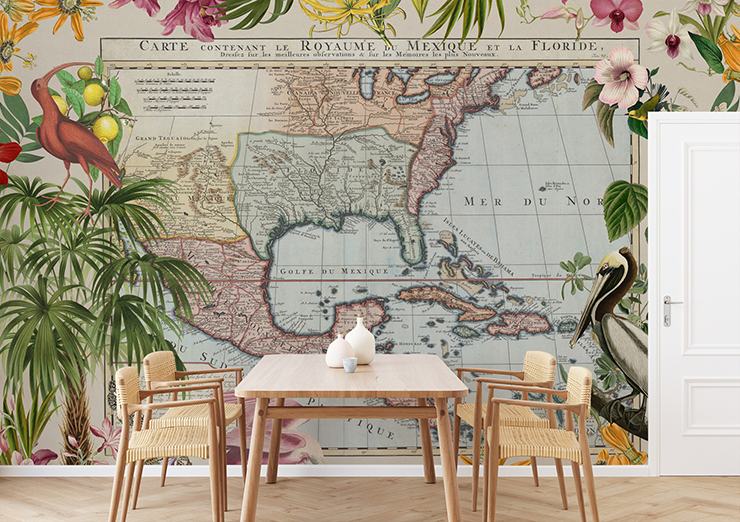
[{"x": 667, "y": 309}]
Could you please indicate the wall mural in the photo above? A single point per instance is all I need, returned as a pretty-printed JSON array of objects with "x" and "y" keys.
[{"x": 456, "y": 192}]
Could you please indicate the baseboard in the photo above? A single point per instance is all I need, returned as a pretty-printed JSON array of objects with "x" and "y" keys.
[{"x": 324, "y": 470}]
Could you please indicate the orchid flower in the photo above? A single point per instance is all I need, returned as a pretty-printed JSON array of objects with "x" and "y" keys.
[
  {"x": 674, "y": 39},
  {"x": 620, "y": 13},
  {"x": 621, "y": 77}
]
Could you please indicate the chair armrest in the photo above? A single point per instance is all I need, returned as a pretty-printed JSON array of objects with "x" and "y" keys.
[
  {"x": 575, "y": 408},
  {"x": 531, "y": 389},
  {"x": 488, "y": 371},
  {"x": 542, "y": 384},
  {"x": 160, "y": 384},
  {"x": 213, "y": 370},
  {"x": 169, "y": 404},
  {"x": 177, "y": 389}
]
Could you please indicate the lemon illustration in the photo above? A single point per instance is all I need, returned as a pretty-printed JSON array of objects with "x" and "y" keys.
[
  {"x": 105, "y": 128},
  {"x": 60, "y": 103},
  {"x": 85, "y": 73},
  {"x": 93, "y": 94}
]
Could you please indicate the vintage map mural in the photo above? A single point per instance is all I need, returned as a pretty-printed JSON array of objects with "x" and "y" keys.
[{"x": 437, "y": 202}]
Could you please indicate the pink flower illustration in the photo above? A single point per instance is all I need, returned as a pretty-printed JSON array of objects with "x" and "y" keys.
[
  {"x": 43, "y": 456},
  {"x": 111, "y": 438},
  {"x": 714, "y": 7},
  {"x": 673, "y": 39},
  {"x": 195, "y": 17},
  {"x": 621, "y": 78},
  {"x": 553, "y": 13},
  {"x": 150, "y": 6},
  {"x": 620, "y": 13},
  {"x": 3, "y": 442},
  {"x": 296, "y": 447}
]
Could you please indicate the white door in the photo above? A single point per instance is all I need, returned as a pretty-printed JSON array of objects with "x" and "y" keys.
[{"x": 694, "y": 261}]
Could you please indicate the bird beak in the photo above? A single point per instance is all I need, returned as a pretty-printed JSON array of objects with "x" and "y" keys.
[
  {"x": 597, "y": 290},
  {"x": 58, "y": 68}
]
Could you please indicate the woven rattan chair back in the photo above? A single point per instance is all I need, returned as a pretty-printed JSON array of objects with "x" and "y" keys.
[
  {"x": 579, "y": 387},
  {"x": 159, "y": 366},
  {"x": 539, "y": 367},
  {"x": 127, "y": 388}
]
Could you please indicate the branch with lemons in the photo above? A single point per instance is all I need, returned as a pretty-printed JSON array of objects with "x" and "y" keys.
[{"x": 94, "y": 98}]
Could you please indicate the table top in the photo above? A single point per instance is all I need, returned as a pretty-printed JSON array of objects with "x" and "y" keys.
[{"x": 388, "y": 376}]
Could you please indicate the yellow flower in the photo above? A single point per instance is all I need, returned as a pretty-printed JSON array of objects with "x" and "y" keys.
[
  {"x": 617, "y": 438},
  {"x": 9, "y": 39},
  {"x": 342, "y": 14},
  {"x": 731, "y": 52},
  {"x": 9, "y": 85},
  {"x": 64, "y": 9},
  {"x": 17, "y": 9}
]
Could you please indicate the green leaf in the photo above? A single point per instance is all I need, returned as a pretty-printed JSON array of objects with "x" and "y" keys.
[
  {"x": 99, "y": 66},
  {"x": 94, "y": 172},
  {"x": 734, "y": 107},
  {"x": 726, "y": 95},
  {"x": 38, "y": 119},
  {"x": 591, "y": 94},
  {"x": 421, "y": 7},
  {"x": 710, "y": 51},
  {"x": 625, "y": 206},
  {"x": 75, "y": 100},
  {"x": 123, "y": 107},
  {"x": 10, "y": 131},
  {"x": 31, "y": 146},
  {"x": 654, "y": 72},
  {"x": 564, "y": 266},
  {"x": 18, "y": 108},
  {"x": 65, "y": 78},
  {"x": 79, "y": 86},
  {"x": 116, "y": 142},
  {"x": 605, "y": 118},
  {"x": 114, "y": 94},
  {"x": 638, "y": 127},
  {"x": 28, "y": 158}
]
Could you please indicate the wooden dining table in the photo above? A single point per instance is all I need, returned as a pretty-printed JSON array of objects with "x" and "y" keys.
[{"x": 389, "y": 376}]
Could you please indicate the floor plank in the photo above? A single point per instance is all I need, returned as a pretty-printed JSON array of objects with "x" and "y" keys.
[{"x": 292, "y": 499}]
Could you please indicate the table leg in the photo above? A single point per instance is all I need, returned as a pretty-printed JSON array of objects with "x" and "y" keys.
[
  {"x": 447, "y": 451},
  {"x": 426, "y": 446},
  {"x": 251, "y": 487},
  {"x": 277, "y": 432}
]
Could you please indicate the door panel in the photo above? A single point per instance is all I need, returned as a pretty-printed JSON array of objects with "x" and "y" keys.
[{"x": 694, "y": 257}]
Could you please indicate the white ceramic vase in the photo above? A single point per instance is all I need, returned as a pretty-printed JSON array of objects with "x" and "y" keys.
[
  {"x": 362, "y": 341},
  {"x": 338, "y": 350}
]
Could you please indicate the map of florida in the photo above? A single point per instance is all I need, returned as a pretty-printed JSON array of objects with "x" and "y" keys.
[{"x": 283, "y": 181}]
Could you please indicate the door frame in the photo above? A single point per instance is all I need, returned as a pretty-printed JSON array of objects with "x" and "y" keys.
[{"x": 655, "y": 123}]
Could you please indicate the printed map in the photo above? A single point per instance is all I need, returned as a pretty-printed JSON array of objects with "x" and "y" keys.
[{"x": 436, "y": 202}]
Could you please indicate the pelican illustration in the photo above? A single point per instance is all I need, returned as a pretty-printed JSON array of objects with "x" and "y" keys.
[{"x": 624, "y": 342}]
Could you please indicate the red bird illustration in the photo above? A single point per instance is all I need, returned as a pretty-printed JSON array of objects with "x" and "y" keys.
[{"x": 68, "y": 140}]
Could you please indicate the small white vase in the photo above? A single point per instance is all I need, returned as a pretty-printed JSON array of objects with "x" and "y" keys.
[
  {"x": 338, "y": 350},
  {"x": 362, "y": 341}
]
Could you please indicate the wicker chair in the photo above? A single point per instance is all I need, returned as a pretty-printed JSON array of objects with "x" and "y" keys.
[
  {"x": 159, "y": 371},
  {"x": 538, "y": 370},
  {"x": 147, "y": 443},
  {"x": 509, "y": 441}
]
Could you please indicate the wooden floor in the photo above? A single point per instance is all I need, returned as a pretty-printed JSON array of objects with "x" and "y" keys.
[{"x": 668, "y": 499}]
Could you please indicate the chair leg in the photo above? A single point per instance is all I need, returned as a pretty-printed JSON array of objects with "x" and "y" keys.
[
  {"x": 127, "y": 490},
  {"x": 476, "y": 468},
  {"x": 137, "y": 483},
  {"x": 243, "y": 444},
  {"x": 493, "y": 481},
  {"x": 534, "y": 472},
  {"x": 486, "y": 458},
  {"x": 561, "y": 482},
  {"x": 223, "y": 468},
  {"x": 163, "y": 475},
  {"x": 579, "y": 490},
  {"x": 216, "y": 489},
  {"x": 588, "y": 473},
  {"x": 115, "y": 496},
  {"x": 456, "y": 423}
]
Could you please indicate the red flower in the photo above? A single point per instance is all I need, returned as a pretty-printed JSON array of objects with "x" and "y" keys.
[
  {"x": 620, "y": 13},
  {"x": 8, "y": 153}
]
